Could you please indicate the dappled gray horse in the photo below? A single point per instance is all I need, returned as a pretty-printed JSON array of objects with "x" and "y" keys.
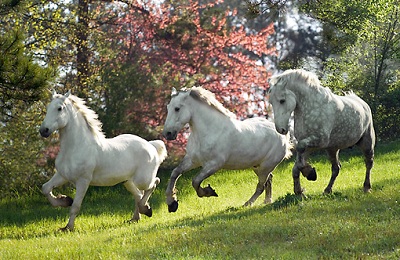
[{"x": 322, "y": 120}]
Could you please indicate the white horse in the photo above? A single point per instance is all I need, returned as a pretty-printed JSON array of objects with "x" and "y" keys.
[
  {"x": 86, "y": 157},
  {"x": 218, "y": 140},
  {"x": 322, "y": 120}
]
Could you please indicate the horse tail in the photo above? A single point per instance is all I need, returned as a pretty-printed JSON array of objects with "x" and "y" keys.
[
  {"x": 288, "y": 145},
  {"x": 161, "y": 149}
]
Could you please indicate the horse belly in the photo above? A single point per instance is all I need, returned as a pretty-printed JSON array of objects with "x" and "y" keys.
[
  {"x": 247, "y": 154},
  {"x": 122, "y": 163},
  {"x": 349, "y": 130}
]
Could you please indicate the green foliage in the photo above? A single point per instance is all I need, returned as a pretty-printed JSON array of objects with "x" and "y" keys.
[
  {"x": 346, "y": 224},
  {"x": 20, "y": 149},
  {"x": 22, "y": 84},
  {"x": 126, "y": 90},
  {"x": 364, "y": 36},
  {"x": 21, "y": 79}
]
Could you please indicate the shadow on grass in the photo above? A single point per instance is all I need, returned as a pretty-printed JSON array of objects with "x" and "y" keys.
[{"x": 116, "y": 200}]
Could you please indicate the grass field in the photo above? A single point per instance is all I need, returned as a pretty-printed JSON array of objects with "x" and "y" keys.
[{"x": 347, "y": 224}]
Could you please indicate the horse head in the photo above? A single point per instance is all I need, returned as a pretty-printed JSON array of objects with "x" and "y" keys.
[
  {"x": 283, "y": 102},
  {"x": 56, "y": 115},
  {"x": 178, "y": 114}
]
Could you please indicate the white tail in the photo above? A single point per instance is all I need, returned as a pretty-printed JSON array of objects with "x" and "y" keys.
[{"x": 161, "y": 149}]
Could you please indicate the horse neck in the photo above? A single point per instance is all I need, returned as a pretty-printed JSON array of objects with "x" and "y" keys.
[
  {"x": 206, "y": 118},
  {"x": 306, "y": 97},
  {"x": 75, "y": 133}
]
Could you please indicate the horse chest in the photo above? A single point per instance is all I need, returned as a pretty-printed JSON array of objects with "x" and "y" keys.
[{"x": 74, "y": 165}]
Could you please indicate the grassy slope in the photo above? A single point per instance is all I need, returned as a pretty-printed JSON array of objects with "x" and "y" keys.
[{"x": 347, "y": 224}]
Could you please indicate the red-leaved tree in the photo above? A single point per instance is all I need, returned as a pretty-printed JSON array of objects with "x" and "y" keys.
[{"x": 182, "y": 46}]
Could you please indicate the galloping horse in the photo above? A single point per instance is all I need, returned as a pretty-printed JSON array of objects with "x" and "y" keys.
[
  {"x": 322, "y": 120},
  {"x": 218, "y": 140},
  {"x": 86, "y": 157}
]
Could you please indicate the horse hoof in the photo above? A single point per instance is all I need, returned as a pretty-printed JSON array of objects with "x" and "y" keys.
[
  {"x": 312, "y": 176},
  {"x": 210, "y": 191},
  {"x": 66, "y": 201},
  {"x": 173, "y": 207},
  {"x": 149, "y": 212},
  {"x": 65, "y": 229}
]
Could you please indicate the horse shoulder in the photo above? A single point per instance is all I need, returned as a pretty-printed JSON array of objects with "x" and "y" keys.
[{"x": 77, "y": 163}]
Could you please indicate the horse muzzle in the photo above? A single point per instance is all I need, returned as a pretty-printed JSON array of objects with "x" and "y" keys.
[
  {"x": 44, "y": 132},
  {"x": 170, "y": 135},
  {"x": 282, "y": 131}
]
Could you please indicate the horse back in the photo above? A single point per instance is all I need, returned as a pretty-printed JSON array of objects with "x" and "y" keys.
[{"x": 353, "y": 122}]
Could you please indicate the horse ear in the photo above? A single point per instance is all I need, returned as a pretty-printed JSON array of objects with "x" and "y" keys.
[
  {"x": 68, "y": 93},
  {"x": 53, "y": 93},
  {"x": 174, "y": 92},
  {"x": 194, "y": 93}
]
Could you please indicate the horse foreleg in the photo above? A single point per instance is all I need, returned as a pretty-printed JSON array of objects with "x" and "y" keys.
[
  {"x": 299, "y": 164},
  {"x": 170, "y": 193},
  {"x": 334, "y": 159},
  {"x": 82, "y": 186},
  {"x": 61, "y": 200},
  {"x": 198, "y": 179}
]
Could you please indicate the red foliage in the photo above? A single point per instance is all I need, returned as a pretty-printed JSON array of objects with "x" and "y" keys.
[{"x": 188, "y": 45}]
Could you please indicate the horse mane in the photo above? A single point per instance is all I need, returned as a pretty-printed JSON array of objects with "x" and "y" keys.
[
  {"x": 90, "y": 117},
  {"x": 208, "y": 98},
  {"x": 298, "y": 75}
]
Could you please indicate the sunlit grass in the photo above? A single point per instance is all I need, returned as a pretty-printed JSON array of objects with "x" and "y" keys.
[{"x": 345, "y": 224}]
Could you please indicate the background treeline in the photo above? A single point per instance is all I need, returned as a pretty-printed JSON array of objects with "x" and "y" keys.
[{"x": 124, "y": 57}]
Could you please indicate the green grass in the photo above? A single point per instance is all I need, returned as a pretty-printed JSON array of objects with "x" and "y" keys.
[{"x": 346, "y": 224}]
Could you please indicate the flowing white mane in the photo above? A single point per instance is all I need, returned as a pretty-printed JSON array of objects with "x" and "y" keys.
[
  {"x": 208, "y": 98},
  {"x": 91, "y": 118}
]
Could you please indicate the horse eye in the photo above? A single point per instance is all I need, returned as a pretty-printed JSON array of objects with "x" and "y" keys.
[
  {"x": 59, "y": 109},
  {"x": 282, "y": 101},
  {"x": 177, "y": 109}
]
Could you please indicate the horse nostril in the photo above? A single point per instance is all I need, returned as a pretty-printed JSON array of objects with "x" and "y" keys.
[
  {"x": 45, "y": 132},
  {"x": 282, "y": 131}
]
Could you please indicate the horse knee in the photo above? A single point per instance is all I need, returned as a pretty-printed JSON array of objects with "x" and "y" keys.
[
  {"x": 295, "y": 172},
  {"x": 46, "y": 188}
]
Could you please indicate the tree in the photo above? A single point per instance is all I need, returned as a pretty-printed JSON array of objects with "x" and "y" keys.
[
  {"x": 361, "y": 42},
  {"x": 368, "y": 42},
  {"x": 22, "y": 84},
  {"x": 182, "y": 46}
]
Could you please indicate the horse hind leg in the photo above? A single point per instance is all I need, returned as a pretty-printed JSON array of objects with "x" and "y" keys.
[
  {"x": 137, "y": 195},
  {"x": 61, "y": 200},
  {"x": 367, "y": 144},
  {"x": 198, "y": 179},
  {"x": 144, "y": 207},
  {"x": 334, "y": 159},
  {"x": 264, "y": 183},
  {"x": 369, "y": 163}
]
